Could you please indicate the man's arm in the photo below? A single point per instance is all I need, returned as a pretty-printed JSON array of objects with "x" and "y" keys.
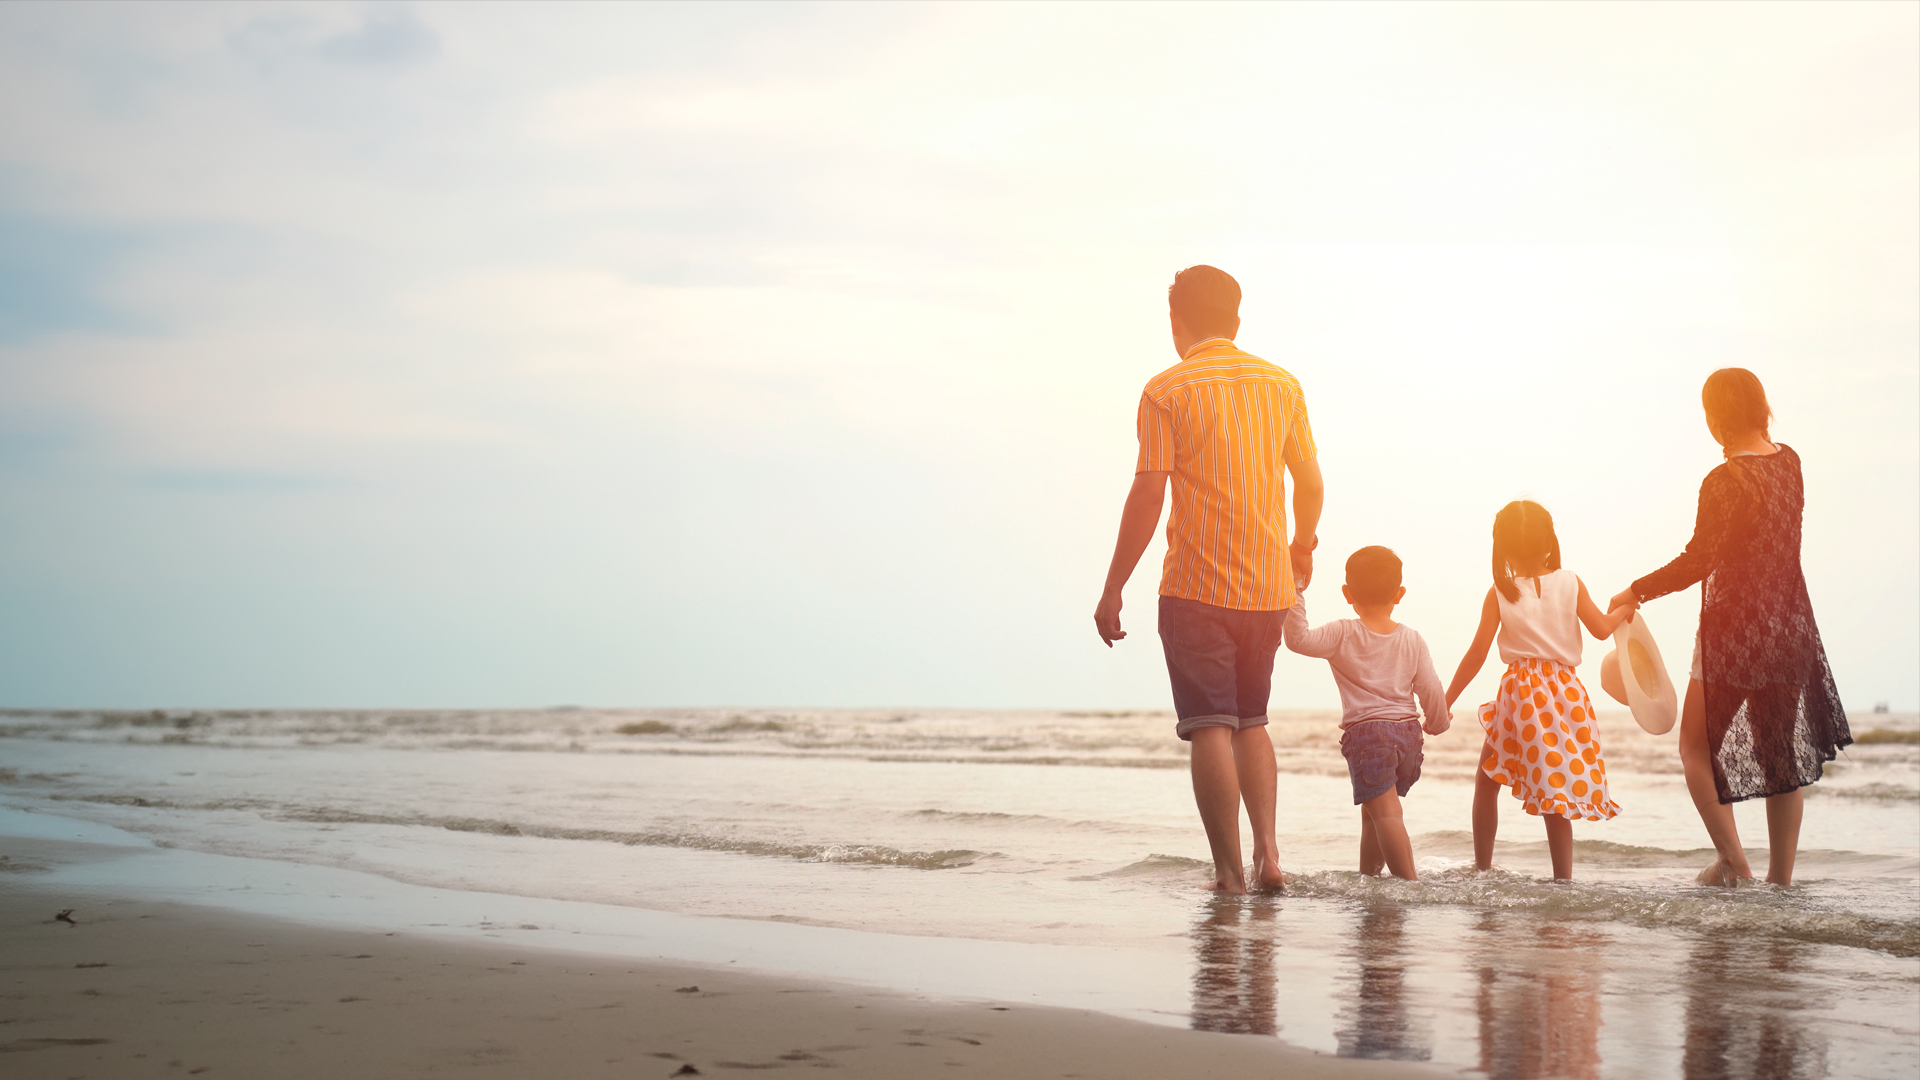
[
  {"x": 1309, "y": 493},
  {"x": 1137, "y": 523}
]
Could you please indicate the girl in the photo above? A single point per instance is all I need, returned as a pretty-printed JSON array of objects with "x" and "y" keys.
[{"x": 1540, "y": 733}]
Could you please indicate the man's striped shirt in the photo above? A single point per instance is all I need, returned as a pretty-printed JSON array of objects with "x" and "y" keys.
[{"x": 1226, "y": 424}]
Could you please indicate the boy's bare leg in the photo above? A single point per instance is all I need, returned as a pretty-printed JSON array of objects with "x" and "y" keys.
[
  {"x": 1370, "y": 858},
  {"x": 1259, "y": 779},
  {"x": 1486, "y": 813},
  {"x": 1783, "y": 835},
  {"x": 1696, "y": 758},
  {"x": 1390, "y": 834},
  {"x": 1216, "y": 790},
  {"x": 1560, "y": 845}
]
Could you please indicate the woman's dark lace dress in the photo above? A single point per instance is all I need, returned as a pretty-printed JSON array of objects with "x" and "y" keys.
[{"x": 1773, "y": 714}]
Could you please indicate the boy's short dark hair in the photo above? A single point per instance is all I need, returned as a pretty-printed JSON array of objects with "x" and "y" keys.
[
  {"x": 1207, "y": 299},
  {"x": 1373, "y": 575}
]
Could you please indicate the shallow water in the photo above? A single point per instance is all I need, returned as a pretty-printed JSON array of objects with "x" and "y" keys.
[{"x": 1079, "y": 830}]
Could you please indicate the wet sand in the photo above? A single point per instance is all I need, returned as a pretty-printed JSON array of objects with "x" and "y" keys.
[{"x": 137, "y": 987}]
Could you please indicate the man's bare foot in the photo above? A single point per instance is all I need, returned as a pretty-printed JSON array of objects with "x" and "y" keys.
[
  {"x": 1267, "y": 876},
  {"x": 1722, "y": 874}
]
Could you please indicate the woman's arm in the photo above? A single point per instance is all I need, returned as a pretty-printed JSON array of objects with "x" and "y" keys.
[
  {"x": 1476, "y": 657},
  {"x": 1602, "y": 625},
  {"x": 1712, "y": 521}
]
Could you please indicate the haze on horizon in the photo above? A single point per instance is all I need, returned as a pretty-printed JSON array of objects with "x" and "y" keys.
[{"x": 513, "y": 355}]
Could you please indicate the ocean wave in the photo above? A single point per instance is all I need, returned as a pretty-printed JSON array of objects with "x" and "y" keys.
[
  {"x": 859, "y": 854},
  {"x": 1761, "y": 911},
  {"x": 1155, "y": 867}
]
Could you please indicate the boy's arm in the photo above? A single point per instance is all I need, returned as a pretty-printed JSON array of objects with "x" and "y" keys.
[
  {"x": 1471, "y": 663},
  {"x": 1137, "y": 522},
  {"x": 1427, "y": 688},
  {"x": 1308, "y": 642}
]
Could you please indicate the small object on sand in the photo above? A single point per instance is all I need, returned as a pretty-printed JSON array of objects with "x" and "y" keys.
[
  {"x": 687, "y": 990},
  {"x": 66, "y": 917},
  {"x": 686, "y": 1070}
]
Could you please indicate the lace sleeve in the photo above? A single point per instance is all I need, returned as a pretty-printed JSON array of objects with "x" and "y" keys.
[{"x": 1711, "y": 525}]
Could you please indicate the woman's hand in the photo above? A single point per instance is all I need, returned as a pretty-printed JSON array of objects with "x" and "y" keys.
[{"x": 1624, "y": 599}]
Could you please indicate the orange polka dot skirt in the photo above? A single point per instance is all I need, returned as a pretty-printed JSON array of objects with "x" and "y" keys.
[{"x": 1542, "y": 742}]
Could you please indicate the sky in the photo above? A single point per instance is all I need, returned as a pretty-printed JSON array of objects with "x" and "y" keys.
[{"x": 416, "y": 355}]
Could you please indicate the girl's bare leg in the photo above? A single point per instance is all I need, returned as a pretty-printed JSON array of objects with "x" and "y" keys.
[
  {"x": 1783, "y": 835},
  {"x": 1696, "y": 758},
  {"x": 1486, "y": 813},
  {"x": 1560, "y": 846}
]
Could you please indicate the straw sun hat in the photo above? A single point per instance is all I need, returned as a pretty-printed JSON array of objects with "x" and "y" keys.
[{"x": 1641, "y": 682}]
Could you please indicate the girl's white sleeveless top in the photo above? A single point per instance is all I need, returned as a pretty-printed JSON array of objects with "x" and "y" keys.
[{"x": 1545, "y": 626}]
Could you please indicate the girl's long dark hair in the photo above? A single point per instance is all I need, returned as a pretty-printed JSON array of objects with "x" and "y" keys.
[{"x": 1521, "y": 531}]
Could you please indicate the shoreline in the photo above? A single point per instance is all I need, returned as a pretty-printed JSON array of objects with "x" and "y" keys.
[{"x": 142, "y": 985}]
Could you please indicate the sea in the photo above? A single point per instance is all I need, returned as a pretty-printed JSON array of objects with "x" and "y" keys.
[{"x": 1045, "y": 856}]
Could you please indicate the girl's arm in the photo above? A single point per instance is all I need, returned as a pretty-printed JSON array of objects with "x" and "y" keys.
[
  {"x": 1476, "y": 657},
  {"x": 1601, "y": 625}
]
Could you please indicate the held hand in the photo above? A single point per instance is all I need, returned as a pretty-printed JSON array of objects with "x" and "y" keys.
[
  {"x": 1106, "y": 619},
  {"x": 1438, "y": 725},
  {"x": 1625, "y": 599},
  {"x": 1303, "y": 561}
]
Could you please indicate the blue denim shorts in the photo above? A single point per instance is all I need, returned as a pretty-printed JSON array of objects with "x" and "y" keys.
[
  {"x": 1382, "y": 755},
  {"x": 1220, "y": 661}
]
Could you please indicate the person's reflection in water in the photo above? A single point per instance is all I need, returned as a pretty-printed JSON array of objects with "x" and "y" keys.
[
  {"x": 1374, "y": 1022},
  {"x": 1741, "y": 1013},
  {"x": 1233, "y": 978},
  {"x": 1539, "y": 999}
]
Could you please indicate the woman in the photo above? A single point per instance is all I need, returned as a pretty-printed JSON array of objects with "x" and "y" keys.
[{"x": 1761, "y": 712}]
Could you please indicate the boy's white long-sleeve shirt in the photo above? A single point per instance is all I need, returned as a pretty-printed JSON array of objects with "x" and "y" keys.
[{"x": 1381, "y": 676}]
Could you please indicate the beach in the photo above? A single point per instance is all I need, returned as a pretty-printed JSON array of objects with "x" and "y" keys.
[{"x": 931, "y": 866}]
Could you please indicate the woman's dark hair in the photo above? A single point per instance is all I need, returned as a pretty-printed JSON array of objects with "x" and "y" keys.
[
  {"x": 1207, "y": 299},
  {"x": 1522, "y": 532},
  {"x": 1373, "y": 575},
  {"x": 1735, "y": 403}
]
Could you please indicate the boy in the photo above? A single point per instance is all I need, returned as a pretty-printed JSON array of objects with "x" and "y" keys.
[{"x": 1382, "y": 668}]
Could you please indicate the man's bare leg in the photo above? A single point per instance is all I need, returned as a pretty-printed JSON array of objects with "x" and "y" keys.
[
  {"x": 1382, "y": 812},
  {"x": 1783, "y": 835},
  {"x": 1696, "y": 759},
  {"x": 1259, "y": 779},
  {"x": 1216, "y": 790}
]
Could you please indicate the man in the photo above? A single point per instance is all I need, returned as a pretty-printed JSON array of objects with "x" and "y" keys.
[{"x": 1223, "y": 424}]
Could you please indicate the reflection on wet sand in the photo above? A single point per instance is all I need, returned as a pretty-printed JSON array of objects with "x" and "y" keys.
[
  {"x": 1540, "y": 1016},
  {"x": 1233, "y": 977},
  {"x": 1374, "y": 1021},
  {"x": 1743, "y": 1019}
]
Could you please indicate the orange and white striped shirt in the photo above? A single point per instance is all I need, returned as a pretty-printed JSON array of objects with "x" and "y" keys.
[{"x": 1226, "y": 424}]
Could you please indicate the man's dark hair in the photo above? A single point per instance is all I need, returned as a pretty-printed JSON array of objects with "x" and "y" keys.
[
  {"x": 1373, "y": 575},
  {"x": 1207, "y": 299}
]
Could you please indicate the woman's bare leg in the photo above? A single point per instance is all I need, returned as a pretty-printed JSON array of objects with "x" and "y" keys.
[
  {"x": 1783, "y": 835},
  {"x": 1697, "y": 758},
  {"x": 1560, "y": 845},
  {"x": 1486, "y": 813}
]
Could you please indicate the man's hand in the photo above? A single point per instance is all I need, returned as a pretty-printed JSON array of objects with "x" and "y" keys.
[
  {"x": 1625, "y": 599},
  {"x": 1137, "y": 522},
  {"x": 1302, "y": 561},
  {"x": 1106, "y": 618}
]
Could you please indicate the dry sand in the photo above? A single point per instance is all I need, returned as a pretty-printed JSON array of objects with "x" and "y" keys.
[{"x": 139, "y": 988}]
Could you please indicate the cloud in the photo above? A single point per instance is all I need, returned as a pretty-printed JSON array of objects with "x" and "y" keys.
[
  {"x": 383, "y": 36},
  {"x": 53, "y": 276}
]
